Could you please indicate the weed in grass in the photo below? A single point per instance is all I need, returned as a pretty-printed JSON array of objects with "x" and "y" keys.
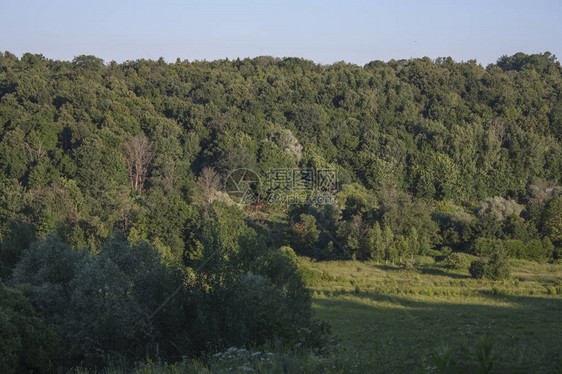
[
  {"x": 442, "y": 359},
  {"x": 487, "y": 359}
]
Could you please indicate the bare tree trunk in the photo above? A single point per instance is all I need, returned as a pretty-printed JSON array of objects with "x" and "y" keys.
[
  {"x": 209, "y": 182},
  {"x": 138, "y": 154}
]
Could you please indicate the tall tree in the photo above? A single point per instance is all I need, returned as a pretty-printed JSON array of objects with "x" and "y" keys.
[{"x": 138, "y": 154}]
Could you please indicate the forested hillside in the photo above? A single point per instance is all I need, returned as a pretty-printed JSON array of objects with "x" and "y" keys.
[
  {"x": 433, "y": 158},
  {"x": 415, "y": 134}
]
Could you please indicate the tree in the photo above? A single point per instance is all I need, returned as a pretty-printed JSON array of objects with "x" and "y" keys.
[
  {"x": 478, "y": 269},
  {"x": 208, "y": 184},
  {"x": 287, "y": 142},
  {"x": 303, "y": 234},
  {"x": 18, "y": 238},
  {"x": 391, "y": 251},
  {"x": 27, "y": 343},
  {"x": 102, "y": 305},
  {"x": 496, "y": 267},
  {"x": 138, "y": 154},
  {"x": 377, "y": 244},
  {"x": 552, "y": 221}
]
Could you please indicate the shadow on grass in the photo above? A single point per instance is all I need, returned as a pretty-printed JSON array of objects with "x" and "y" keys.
[
  {"x": 537, "y": 302},
  {"x": 432, "y": 270},
  {"x": 400, "y": 331},
  {"x": 424, "y": 269}
]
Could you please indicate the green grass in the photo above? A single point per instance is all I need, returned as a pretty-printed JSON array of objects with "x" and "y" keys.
[{"x": 390, "y": 320}]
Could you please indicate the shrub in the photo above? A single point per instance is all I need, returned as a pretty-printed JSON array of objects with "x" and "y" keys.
[
  {"x": 495, "y": 268},
  {"x": 442, "y": 359},
  {"x": 303, "y": 235},
  {"x": 269, "y": 304},
  {"x": 424, "y": 260},
  {"x": 478, "y": 269},
  {"x": 18, "y": 238},
  {"x": 535, "y": 249},
  {"x": 498, "y": 207},
  {"x": 486, "y": 354},
  {"x": 498, "y": 266},
  {"x": 456, "y": 261},
  {"x": 409, "y": 264},
  {"x": 26, "y": 343},
  {"x": 101, "y": 304}
]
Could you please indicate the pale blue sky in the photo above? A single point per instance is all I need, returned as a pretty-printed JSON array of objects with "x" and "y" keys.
[{"x": 324, "y": 31}]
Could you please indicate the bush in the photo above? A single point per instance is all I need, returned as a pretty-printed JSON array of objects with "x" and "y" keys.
[
  {"x": 495, "y": 268},
  {"x": 424, "y": 260},
  {"x": 101, "y": 304},
  {"x": 478, "y": 269},
  {"x": 125, "y": 303},
  {"x": 537, "y": 250},
  {"x": 18, "y": 238},
  {"x": 409, "y": 264},
  {"x": 303, "y": 235},
  {"x": 269, "y": 304},
  {"x": 26, "y": 343},
  {"x": 456, "y": 261},
  {"x": 498, "y": 266}
]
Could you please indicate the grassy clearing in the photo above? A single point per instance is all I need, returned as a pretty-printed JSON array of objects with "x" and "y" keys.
[{"x": 388, "y": 319}]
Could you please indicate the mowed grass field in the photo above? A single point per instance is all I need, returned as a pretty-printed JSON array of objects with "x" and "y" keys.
[{"x": 388, "y": 319}]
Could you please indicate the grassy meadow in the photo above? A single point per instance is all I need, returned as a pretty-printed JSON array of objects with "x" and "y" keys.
[{"x": 389, "y": 319}]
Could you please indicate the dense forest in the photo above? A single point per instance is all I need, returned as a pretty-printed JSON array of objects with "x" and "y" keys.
[{"x": 116, "y": 232}]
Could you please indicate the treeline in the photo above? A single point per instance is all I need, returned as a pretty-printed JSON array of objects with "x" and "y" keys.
[
  {"x": 390, "y": 226},
  {"x": 87, "y": 146}
]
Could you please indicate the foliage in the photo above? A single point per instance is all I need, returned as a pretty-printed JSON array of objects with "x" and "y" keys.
[
  {"x": 553, "y": 220},
  {"x": 18, "y": 238},
  {"x": 442, "y": 359},
  {"x": 101, "y": 304},
  {"x": 456, "y": 260},
  {"x": 126, "y": 302},
  {"x": 478, "y": 269},
  {"x": 432, "y": 130},
  {"x": 496, "y": 267},
  {"x": 303, "y": 234},
  {"x": 26, "y": 342},
  {"x": 487, "y": 358}
]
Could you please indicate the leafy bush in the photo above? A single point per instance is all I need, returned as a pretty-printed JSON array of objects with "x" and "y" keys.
[
  {"x": 127, "y": 303},
  {"x": 478, "y": 269},
  {"x": 303, "y": 234},
  {"x": 409, "y": 264},
  {"x": 498, "y": 266},
  {"x": 266, "y": 302},
  {"x": 456, "y": 261},
  {"x": 498, "y": 207},
  {"x": 101, "y": 305},
  {"x": 534, "y": 249},
  {"x": 18, "y": 238},
  {"x": 424, "y": 260},
  {"x": 495, "y": 268},
  {"x": 487, "y": 356},
  {"x": 442, "y": 359},
  {"x": 26, "y": 342}
]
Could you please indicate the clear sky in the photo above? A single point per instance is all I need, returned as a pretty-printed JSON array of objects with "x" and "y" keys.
[{"x": 324, "y": 31}]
